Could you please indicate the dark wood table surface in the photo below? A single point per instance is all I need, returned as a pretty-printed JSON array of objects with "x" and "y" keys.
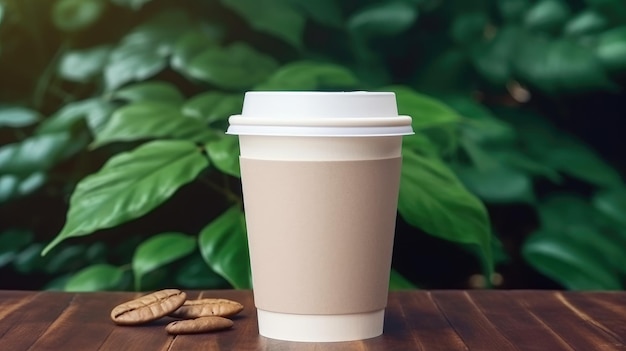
[{"x": 415, "y": 320}]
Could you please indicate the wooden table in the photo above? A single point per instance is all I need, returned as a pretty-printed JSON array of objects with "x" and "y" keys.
[{"x": 416, "y": 320}]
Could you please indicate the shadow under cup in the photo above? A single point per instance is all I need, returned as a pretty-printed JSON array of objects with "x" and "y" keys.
[{"x": 320, "y": 199}]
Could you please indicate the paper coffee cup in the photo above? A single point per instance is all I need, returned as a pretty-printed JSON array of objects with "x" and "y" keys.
[{"x": 320, "y": 175}]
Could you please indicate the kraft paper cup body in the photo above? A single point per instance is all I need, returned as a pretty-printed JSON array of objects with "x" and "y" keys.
[{"x": 320, "y": 175}]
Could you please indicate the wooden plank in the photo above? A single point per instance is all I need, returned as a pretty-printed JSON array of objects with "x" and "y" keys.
[
  {"x": 605, "y": 311},
  {"x": 424, "y": 323},
  {"x": 469, "y": 322},
  {"x": 516, "y": 323},
  {"x": 576, "y": 331},
  {"x": 23, "y": 326}
]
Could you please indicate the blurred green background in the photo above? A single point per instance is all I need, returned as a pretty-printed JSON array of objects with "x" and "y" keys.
[{"x": 113, "y": 160}]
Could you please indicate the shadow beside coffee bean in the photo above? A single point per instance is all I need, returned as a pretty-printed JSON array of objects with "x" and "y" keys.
[{"x": 197, "y": 316}]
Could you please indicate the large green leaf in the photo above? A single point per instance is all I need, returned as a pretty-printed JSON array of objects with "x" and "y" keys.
[
  {"x": 572, "y": 260},
  {"x": 147, "y": 119},
  {"x": 224, "y": 247},
  {"x": 96, "y": 277},
  {"x": 213, "y": 106},
  {"x": 309, "y": 75},
  {"x": 158, "y": 251},
  {"x": 277, "y": 17},
  {"x": 224, "y": 154},
  {"x": 17, "y": 116},
  {"x": 194, "y": 273},
  {"x": 434, "y": 200},
  {"x": 83, "y": 65},
  {"x": 150, "y": 91},
  {"x": 37, "y": 153},
  {"x": 130, "y": 185},
  {"x": 383, "y": 19},
  {"x": 237, "y": 66},
  {"x": 74, "y": 15}
]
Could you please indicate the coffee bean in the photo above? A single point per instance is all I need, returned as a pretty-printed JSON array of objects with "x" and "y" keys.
[
  {"x": 198, "y": 325},
  {"x": 148, "y": 307},
  {"x": 207, "y": 307}
]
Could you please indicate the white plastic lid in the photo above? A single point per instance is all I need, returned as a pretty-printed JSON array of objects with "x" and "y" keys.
[{"x": 320, "y": 114}]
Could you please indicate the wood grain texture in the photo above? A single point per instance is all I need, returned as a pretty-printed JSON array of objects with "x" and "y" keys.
[{"x": 416, "y": 320}]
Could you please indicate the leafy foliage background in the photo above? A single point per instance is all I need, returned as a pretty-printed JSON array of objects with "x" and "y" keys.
[{"x": 114, "y": 163}]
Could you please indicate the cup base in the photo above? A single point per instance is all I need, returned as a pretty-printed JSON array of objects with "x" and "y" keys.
[{"x": 320, "y": 328}]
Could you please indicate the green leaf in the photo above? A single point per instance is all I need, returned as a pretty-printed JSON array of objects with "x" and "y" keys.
[
  {"x": 468, "y": 28},
  {"x": 17, "y": 117},
  {"x": 547, "y": 15},
  {"x": 560, "y": 66},
  {"x": 130, "y": 185},
  {"x": 131, "y": 63},
  {"x": 499, "y": 184},
  {"x": 235, "y": 67},
  {"x": 425, "y": 111},
  {"x": 213, "y": 106},
  {"x": 194, "y": 273},
  {"x": 383, "y": 19},
  {"x": 94, "y": 111},
  {"x": 481, "y": 125},
  {"x": 513, "y": 10},
  {"x": 12, "y": 186},
  {"x": 434, "y": 200},
  {"x": 133, "y": 4},
  {"x": 29, "y": 260},
  {"x": 65, "y": 258},
  {"x": 518, "y": 160},
  {"x": 276, "y": 17},
  {"x": 326, "y": 12},
  {"x": 37, "y": 153},
  {"x": 572, "y": 157},
  {"x": 224, "y": 154},
  {"x": 158, "y": 251},
  {"x": 398, "y": 282},
  {"x": 12, "y": 241},
  {"x": 97, "y": 277},
  {"x": 309, "y": 75},
  {"x": 147, "y": 120},
  {"x": 586, "y": 22},
  {"x": 569, "y": 260},
  {"x": 611, "y": 49},
  {"x": 189, "y": 46},
  {"x": 492, "y": 59},
  {"x": 83, "y": 65},
  {"x": 224, "y": 247},
  {"x": 615, "y": 10},
  {"x": 144, "y": 51},
  {"x": 612, "y": 202},
  {"x": 74, "y": 15},
  {"x": 156, "y": 91}
]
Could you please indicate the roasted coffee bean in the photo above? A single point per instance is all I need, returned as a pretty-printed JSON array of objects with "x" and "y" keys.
[
  {"x": 207, "y": 307},
  {"x": 198, "y": 325},
  {"x": 148, "y": 307}
]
